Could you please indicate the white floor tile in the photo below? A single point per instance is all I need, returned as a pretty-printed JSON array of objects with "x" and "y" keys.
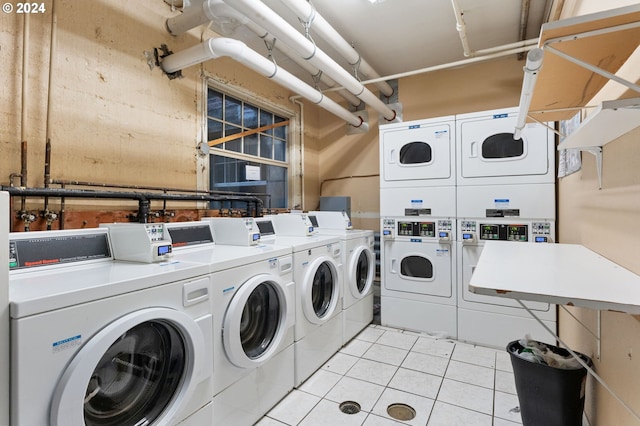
[
  {"x": 502, "y": 422},
  {"x": 426, "y": 363},
  {"x": 436, "y": 347},
  {"x": 467, "y": 396},
  {"x": 503, "y": 361},
  {"x": 320, "y": 383},
  {"x": 372, "y": 371},
  {"x": 349, "y": 389},
  {"x": 370, "y": 334},
  {"x": 373, "y": 420},
  {"x": 422, "y": 384},
  {"x": 340, "y": 363},
  {"x": 386, "y": 354},
  {"x": 397, "y": 340},
  {"x": 451, "y": 415},
  {"x": 328, "y": 413},
  {"x": 507, "y": 407},
  {"x": 505, "y": 382},
  {"x": 268, "y": 421},
  {"x": 356, "y": 347},
  {"x": 472, "y": 354},
  {"x": 472, "y": 374},
  {"x": 294, "y": 407},
  {"x": 421, "y": 405}
]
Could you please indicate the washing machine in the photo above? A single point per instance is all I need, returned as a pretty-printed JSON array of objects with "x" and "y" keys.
[
  {"x": 418, "y": 153},
  {"x": 358, "y": 269},
  {"x": 100, "y": 342},
  {"x": 253, "y": 314},
  {"x": 488, "y": 154},
  {"x": 418, "y": 290},
  {"x": 317, "y": 272},
  {"x": 522, "y": 214},
  {"x": 5, "y": 356}
]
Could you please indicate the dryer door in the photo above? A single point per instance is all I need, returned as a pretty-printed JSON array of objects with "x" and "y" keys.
[
  {"x": 137, "y": 370},
  {"x": 417, "y": 152},
  {"x": 256, "y": 321},
  {"x": 320, "y": 290},
  {"x": 419, "y": 267},
  {"x": 361, "y": 271}
]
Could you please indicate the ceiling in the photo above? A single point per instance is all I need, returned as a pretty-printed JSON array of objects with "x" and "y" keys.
[{"x": 398, "y": 36}]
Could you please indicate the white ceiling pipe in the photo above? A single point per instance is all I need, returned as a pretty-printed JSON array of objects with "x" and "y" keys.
[
  {"x": 307, "y": 13},
  {"x": 201, "y": 13},
  {"x": 461, "y": 27},
  {"x": 272, "y": 22},
  {"x": 222, "y": 46},
  {"x": 295, "y": 57}
]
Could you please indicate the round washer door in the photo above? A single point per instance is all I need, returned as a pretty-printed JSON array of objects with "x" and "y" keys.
[
  {"x": 136, "y": 370},
  {"x": 320, "y": 290},
  {"x": 361, "y": 271},
  {"x": 255, "y": 322}
]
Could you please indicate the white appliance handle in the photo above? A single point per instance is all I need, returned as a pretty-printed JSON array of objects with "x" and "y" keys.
[
  {"x": 394, "y": 263},
  {"x": 473, "y": 153},
  {"x": 392, "y": 156}
]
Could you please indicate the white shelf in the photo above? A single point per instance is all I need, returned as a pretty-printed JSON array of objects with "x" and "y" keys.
[
  {"x": 563, "y": 274},
  {"x": 611, "y": 120}
]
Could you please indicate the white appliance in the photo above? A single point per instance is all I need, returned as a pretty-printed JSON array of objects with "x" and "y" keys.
[
  {"x": 5, "y": 355},
  {"x": 518, "y": 213},
  {"x": 488, "y": 154},
  {"x": 98, "y": 342},
  {"x": 253, "y": 316},
  {"x": 358, "y": 269},
  {"x": 418, "y": 153},
  {"x": 418, "y": 289},
  {"x": 317, "y": 272}
]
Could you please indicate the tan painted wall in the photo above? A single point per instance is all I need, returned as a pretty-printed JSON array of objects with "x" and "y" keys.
[
  {"x": 606, "y": 221},
  {"x": 349, "y": 164}
]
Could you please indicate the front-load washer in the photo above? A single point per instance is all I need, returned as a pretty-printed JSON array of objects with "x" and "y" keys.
[
  {"x": 100, "y": 342},
  {"x": 253, "y": 316},
  {"x": 495, "y": 321},
  {"x": 418, "y": 153},
  {"x": 418, "y": 269},
  {"x": 317, "y": 272},
  {"x": 358, "y": 269},
  {"x": 488, "y": 154}
]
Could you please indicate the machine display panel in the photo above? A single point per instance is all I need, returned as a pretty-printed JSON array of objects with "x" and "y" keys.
[
  {"x": 416, "y": 229},
  {"x": 266, "y": 227},
  {"x": 504, "y": 232},
  {"x": 190, "y": 235}
]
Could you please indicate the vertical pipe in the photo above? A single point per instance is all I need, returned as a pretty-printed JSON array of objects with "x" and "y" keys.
[{"x": 23, "y": 118}]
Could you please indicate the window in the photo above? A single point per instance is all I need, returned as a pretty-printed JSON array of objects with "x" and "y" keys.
[{"x": 256, "y": 160}]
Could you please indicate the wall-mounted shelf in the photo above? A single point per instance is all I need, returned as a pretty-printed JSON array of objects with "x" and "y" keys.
[{"x": 611, "y": 120}]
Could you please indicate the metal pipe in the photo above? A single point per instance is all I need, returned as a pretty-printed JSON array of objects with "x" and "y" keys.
[
  {"x": 524, "y": 19},
  {"x": 461, "y": 27}
]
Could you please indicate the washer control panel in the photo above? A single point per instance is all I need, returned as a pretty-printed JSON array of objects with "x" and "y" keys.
[
  {"x": 472, "y": 231},
  {"x": 434, "y": 230}
]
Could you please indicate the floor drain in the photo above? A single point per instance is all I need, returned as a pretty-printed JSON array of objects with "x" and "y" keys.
[
  {"x": 350, "y": 407},
  {"x": 401, "y": 411}
]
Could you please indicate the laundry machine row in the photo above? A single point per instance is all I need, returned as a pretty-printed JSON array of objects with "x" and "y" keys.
[
  {"x": 493, "y": 180},
  {"x": 100, "y": 342}
]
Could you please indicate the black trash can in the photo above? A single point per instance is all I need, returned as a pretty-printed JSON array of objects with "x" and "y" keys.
[{"x": 549, "y": 396}]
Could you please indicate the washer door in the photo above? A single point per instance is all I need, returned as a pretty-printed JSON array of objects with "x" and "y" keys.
[
  {"x": 136, "y": 370},
  {"x": 320, "y": 290},
  {"x": 255, "y": 322},
  {"x": 361, "y": 271}
]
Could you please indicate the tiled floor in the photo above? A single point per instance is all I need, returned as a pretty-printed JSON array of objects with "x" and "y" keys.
[{"x": 446, "y": 382}]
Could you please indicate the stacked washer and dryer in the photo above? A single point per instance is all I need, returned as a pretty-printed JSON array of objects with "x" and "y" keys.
[
  {"x": 100, "y": 342},
  {"x": 502, "y": 189}
]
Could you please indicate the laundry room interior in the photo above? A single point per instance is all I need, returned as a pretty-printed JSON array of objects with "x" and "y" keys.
[{"x": 294, "y": 212}]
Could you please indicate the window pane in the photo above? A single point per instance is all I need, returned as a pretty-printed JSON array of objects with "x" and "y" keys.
[
  {"x": 214, "y": 130},
  {"x": 266, "y": 118},
  {"x": 214, "y": 104},
  {"x": 280, "y": 132},
  {"x": 235, "y": 145},
  {"x": 251, "y": 144},
  {"x": 233, "y": 110},
  {"x": 266, "y": 146},
  {"x": 279, "y": 150},
  {"x": 250, "y": 117}
]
